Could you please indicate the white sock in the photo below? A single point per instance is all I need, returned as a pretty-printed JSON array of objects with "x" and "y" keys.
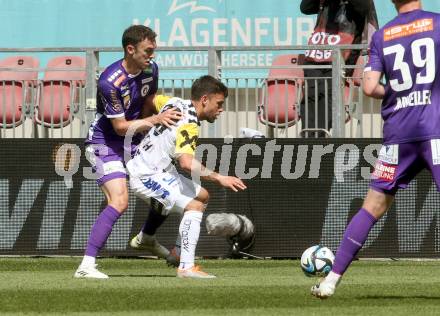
[
  {"x": 332, "y": 277},
  {"x": 189, "y": 231},
  {"x": 88, "y": 261}
]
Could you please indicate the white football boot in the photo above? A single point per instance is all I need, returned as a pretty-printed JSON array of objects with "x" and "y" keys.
[
  {"x": 151, "y": 244},
  {"x": 194, "y": 273},
  {"x": 89, "y": 273},
  {"x": 325, "y": 288}
]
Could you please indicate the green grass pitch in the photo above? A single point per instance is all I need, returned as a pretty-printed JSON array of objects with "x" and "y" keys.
[{"x": 46, "y": 286}]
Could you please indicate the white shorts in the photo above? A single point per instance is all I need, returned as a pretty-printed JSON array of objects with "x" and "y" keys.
[{"x": 170, "y": 188}]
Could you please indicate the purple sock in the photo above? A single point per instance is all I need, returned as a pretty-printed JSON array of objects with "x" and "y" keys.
[
  {"x": 101, "y": 230},
  {"x": 354, "y": 238},
  {"x": 154, "y": 220}
]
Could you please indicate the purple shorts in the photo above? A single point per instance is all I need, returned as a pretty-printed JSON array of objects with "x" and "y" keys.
[
  {"x": 398, "y": 164},
  {"x": 108, "y": 162}
]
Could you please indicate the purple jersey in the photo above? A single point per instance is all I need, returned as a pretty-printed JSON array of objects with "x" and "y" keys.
[
  {"x": 407, "y": 51},
  {"x": 120, "y": 95}
]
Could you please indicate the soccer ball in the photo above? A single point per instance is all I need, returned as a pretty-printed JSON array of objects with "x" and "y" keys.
[{"x": 317, "y": 261}]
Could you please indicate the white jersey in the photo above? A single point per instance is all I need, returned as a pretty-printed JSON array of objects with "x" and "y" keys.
[{"x": 162, "y": 145}]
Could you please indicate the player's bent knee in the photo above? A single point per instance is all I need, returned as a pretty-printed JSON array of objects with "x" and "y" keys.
[
  {"x": 377, "y": 203},
  {"x": 120, "y": 204},
  {"x": 195, "y": 205}
]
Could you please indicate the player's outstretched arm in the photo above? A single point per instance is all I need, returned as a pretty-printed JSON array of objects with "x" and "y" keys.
[
  {"x": 233, "y": 183},
  {"x": 191, "y": 165}
]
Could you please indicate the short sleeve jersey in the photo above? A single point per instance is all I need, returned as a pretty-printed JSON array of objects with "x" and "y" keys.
[
  {"x": 162, "y": 145},
  {"x": 120, "y": 94},
  {"x": 407, "y": 52}
]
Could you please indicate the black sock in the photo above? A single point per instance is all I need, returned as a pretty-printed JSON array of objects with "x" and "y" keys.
[{"x": 154, "y": 220}]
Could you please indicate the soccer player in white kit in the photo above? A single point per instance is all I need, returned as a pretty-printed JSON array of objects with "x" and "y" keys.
[{"x": 154, "y": 176}]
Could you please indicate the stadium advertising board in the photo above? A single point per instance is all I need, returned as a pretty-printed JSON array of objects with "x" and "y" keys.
[
  {"x": 300, "y": 192},
  {"x": 179, "y": 23}
]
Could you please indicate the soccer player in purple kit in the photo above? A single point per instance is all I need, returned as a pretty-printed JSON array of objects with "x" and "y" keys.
[
  {"x": 126, "y": 90},
  {"x": 407, "y": 52}
]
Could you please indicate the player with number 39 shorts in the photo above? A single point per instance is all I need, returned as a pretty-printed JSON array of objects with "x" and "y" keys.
[{"x": 406, "y": 52}]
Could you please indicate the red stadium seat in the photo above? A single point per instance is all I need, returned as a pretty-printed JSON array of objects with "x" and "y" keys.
[
  {"x": 58, "y": 93},
  {"x": 16, "y": 87},
  {"x": 283, "y": 93}
]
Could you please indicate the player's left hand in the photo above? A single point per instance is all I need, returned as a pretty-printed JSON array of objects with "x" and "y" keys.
[{"x": 233, "y": 183}]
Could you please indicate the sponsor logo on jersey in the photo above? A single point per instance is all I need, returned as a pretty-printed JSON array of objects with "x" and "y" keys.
[
  {"x": 191, "y": 141},
  {"x": 415, "y": 98},
  {"x": 415, "y": 27},
  {"x": 126, "y": 99},
  {"x": 116, "y": 103},
  {"x": 384, "y": 171},
  {"x": 114, "y": 75},
  {"x": 119, "y": 81},
  {"x": 144, "y": 90},
  {"x": 146, "y": 80}
]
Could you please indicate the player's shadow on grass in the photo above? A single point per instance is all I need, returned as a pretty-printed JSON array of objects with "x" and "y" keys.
[
  {"x": 141, "y": 276},
  {"x": 399, "y": 297}
]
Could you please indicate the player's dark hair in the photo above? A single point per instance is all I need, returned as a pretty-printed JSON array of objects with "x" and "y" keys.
[
  {"x": 207, "y": 85},
  {"x": 136, "y": 34}
]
